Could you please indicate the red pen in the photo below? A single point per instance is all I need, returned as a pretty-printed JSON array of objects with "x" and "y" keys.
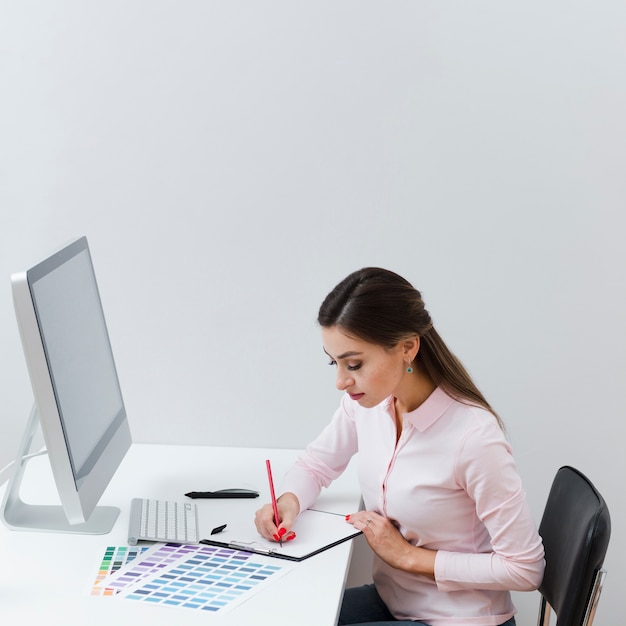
[{"x": 273, "y": 494}]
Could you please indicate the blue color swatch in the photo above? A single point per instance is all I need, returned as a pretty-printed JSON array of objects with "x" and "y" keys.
[{"x": 206, "y": 578}]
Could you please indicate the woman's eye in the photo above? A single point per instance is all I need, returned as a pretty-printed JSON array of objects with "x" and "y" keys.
[{"x": 350, "y": 368}]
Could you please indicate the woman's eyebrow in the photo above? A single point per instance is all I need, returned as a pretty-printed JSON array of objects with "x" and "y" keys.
[{"x": 345, "y": 355}]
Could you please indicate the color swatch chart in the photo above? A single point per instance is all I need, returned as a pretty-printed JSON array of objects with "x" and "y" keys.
[
  {"x": 201, "y": 577},
  {"x": 114, "y": 558}
]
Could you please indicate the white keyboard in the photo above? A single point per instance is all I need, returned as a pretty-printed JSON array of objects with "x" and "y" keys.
[{"x": 162, "y": 520}]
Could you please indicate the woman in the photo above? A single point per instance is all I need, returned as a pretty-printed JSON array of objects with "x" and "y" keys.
[{"x": 445, "y": 513}]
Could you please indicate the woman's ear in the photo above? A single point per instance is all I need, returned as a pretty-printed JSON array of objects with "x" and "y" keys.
[{"x": 410, "y": 348}]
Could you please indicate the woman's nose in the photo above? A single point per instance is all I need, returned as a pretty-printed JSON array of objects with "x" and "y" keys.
[{"x": 344, "y": 380}]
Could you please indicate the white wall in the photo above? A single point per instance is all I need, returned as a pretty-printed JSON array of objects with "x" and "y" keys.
[{"x": 231, "y": 161}]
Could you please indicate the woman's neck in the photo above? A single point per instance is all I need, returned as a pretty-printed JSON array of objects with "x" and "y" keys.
[{"x": 414, "y": 390}]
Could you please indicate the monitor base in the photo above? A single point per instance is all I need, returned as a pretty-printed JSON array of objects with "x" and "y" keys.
[
  {"x": 18, "y": 515},
  {"x": 51, "y": 518}
]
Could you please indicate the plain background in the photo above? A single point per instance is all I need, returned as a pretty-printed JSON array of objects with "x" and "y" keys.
[{"x": 230, "y": 162}]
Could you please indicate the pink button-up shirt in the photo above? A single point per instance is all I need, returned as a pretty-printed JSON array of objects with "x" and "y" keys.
[{"x": 450, "y": 484}]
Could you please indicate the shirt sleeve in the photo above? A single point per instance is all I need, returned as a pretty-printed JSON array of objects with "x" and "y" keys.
[
  {"x": 324, "y": 459},
  {"x": 486, "y": 470}
]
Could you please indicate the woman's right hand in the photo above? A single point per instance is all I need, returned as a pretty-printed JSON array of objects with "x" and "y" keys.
[{"x": 288, "y": 509}]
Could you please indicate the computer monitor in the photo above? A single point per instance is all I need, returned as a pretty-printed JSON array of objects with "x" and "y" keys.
[{"x": 77, "y": 396}]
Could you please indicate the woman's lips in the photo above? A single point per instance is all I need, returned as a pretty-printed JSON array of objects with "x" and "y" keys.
[{"x": 356, "y": 396}]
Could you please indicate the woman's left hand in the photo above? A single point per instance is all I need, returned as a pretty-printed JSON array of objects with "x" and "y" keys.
[{"x": 389, "y": 544}]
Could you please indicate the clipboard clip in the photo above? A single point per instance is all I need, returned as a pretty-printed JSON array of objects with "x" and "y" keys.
[{"x": 251, "y": 546}]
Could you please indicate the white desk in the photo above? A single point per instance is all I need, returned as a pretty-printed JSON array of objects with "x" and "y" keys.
[{"x": 46, "y": 578}]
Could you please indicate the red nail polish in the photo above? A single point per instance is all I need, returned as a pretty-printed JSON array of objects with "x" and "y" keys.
[
  {"x": 282, "y": 531},
  {"x": 347, "y": 517},
  {"x": 290, "y": 536},
  {"x": 276, "y": 537}
]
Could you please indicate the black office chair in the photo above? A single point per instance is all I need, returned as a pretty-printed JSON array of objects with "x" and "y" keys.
[{"x": 575, "y": 528}]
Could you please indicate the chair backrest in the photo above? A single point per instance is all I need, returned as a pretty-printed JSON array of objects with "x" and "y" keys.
[{"x": 575, "y": 528}]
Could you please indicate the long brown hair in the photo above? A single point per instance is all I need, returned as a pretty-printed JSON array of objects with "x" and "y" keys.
[{"x": 381, "y": 307}]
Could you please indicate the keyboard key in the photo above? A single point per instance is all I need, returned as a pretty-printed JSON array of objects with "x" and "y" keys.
[{"x": 162, "y": 520}]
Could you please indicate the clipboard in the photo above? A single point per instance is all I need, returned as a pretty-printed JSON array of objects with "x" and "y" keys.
[{"x": 316, "y": 531}]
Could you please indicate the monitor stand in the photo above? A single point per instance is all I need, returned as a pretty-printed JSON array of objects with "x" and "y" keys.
[{"x": 19, "y": 515}]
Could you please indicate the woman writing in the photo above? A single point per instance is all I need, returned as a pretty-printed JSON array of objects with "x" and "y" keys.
[{"x": 445, "y": 512}]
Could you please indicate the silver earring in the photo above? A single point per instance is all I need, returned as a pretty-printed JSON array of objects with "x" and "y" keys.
[{"x": 409, "y": 369}]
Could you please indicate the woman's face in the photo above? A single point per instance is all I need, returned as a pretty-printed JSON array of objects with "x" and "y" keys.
[{"x": 367, "y": 372}]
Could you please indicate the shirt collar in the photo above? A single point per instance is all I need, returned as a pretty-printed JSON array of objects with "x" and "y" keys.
[{"x": 427, "y": 413}]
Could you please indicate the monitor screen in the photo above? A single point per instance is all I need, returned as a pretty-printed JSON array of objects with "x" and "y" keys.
[
  {"x": 80, "y": 361},
  {"x": 78, "y": 400}
]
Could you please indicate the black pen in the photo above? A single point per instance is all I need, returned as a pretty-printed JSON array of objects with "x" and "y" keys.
[{"x": 224, "y": 493}]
